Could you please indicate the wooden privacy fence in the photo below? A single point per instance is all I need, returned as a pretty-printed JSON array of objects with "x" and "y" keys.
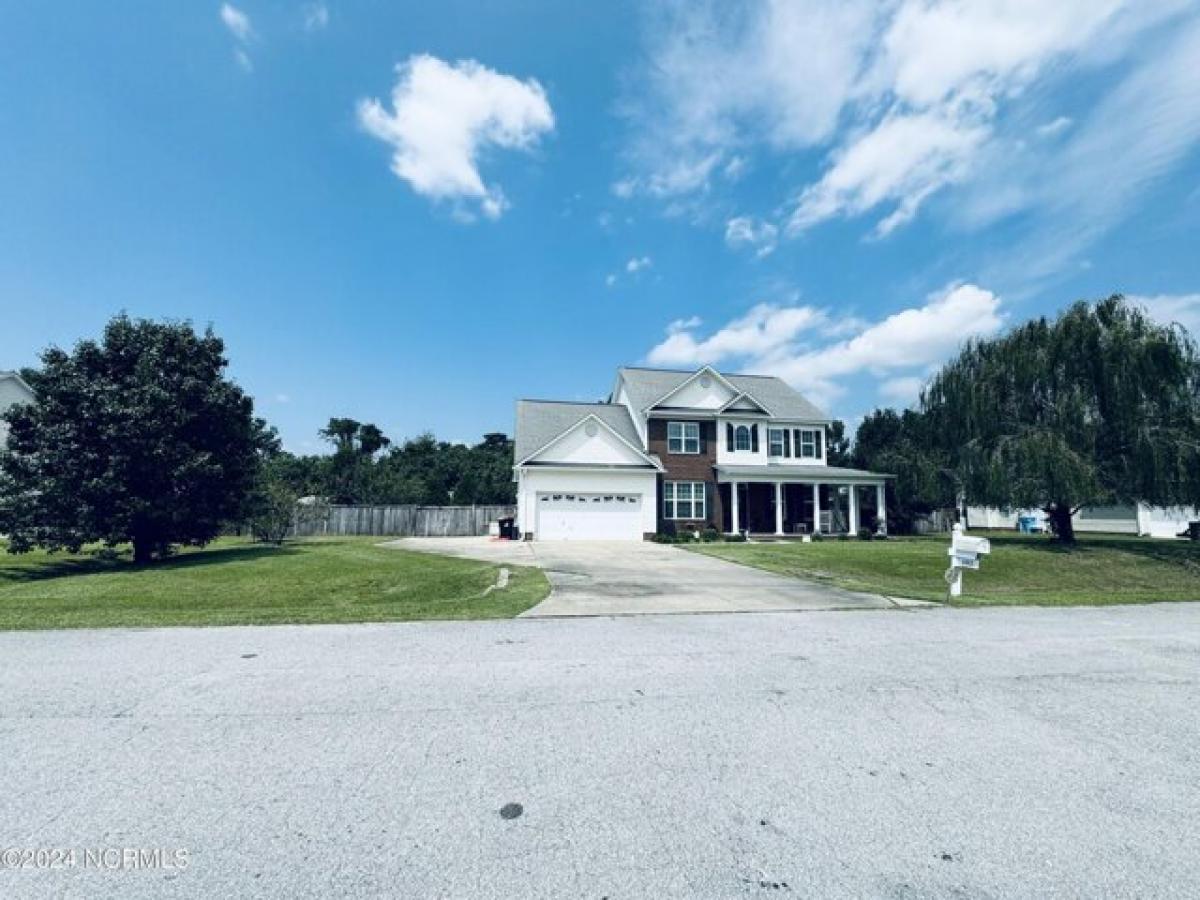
[{"x": 416, "y": 521}]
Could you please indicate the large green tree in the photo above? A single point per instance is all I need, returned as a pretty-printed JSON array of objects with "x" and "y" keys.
[
  {"x": 1098, "y": 406},
  {"x": 136, "y": 438}
]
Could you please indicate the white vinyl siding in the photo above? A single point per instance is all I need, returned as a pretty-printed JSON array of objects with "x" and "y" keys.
[{"x": 683, "y": 500}]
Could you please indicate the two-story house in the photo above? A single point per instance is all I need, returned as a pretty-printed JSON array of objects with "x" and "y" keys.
[{"x": 685, "y": 450}]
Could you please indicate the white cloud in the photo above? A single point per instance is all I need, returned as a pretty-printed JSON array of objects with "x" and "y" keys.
[
  {"x": 904, "y": 389},
  {"x": 1083, "y": 185},
  {"x": 902, "y": 161},
  {"x": 684, "y": 324},
  {"x": 237, "y": 22},
  {"x": 283, "y": 398},
  {"x": 1169, "y": 309},
  {"x": 1054, "y": 127},
  {"x": 240, "y": 27},
  {"x": 610, "y": 279},
  {"x": 902, "y": 346},
  {"x": 316, "y": 16},
  {"x": 722, "y": 76},
  {"x": 637, "y": 263},
  {"x": 910, "y": 98},
  {"x": 746, "y": 231},
  {"x": 444, "y": 115},
  {"x": 761, "y": 332}
]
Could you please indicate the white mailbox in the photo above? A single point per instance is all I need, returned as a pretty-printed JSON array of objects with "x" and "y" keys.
[{"x": 964, "y": 553}]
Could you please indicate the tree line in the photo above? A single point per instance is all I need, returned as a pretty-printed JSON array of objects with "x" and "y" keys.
[{"x": 365, "y": 467}]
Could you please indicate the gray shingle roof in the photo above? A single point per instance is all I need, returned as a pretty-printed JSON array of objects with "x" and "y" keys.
[
  {"x": 648, "y": 385},
  {"x": 541, "y": 421}
]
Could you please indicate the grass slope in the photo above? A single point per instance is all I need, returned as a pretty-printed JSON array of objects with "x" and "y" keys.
[
  {"x": 234, "y": 582},
  {"x": 1020, "y": 570}
]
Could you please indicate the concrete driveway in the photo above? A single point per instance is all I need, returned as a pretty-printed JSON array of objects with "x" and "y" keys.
[
  {"x": 603, "y": 578},
  {"x": 958, "y": 753}
]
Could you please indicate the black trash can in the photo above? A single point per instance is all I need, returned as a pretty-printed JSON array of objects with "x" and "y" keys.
[
  {"x": 1193, "y": 531},
  {"x": 508, "y": 528}
]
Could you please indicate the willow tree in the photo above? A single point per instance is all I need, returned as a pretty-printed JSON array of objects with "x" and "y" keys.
[{"x": 1099, "y": 406}]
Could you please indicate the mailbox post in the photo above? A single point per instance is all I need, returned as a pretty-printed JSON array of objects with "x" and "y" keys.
[{"x": 964, "y": 553}]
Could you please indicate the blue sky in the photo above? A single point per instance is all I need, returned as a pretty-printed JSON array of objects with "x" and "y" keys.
[{"x": 413, "y": 214}]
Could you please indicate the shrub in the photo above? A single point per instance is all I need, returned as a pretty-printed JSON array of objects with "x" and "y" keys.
[
  {"x": 865, "y": 534},
  {"x": 710, "y": 534},
  {"x": 735, "y": 538},
  {"x": 818, "y": 536},
  {"x": 663, "y": 538}
]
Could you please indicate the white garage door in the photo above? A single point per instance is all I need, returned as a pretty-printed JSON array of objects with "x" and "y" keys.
[{"x": 589, "y": 517}]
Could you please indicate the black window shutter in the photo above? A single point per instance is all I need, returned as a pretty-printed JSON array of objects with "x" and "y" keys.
[
  {"x": 703, "y": 432},
  {"x": 754, "y": 438},
  {"x": 729, "y": 436},
  {"x": 708, "y": 501},
  {"x": 817, "y": 442},
  {"x": 787, "y": 442}
]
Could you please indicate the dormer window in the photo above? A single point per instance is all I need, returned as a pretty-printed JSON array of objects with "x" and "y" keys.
[{"x": 683, "y": 437}]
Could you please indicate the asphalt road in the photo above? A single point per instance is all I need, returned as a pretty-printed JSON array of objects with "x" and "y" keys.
[{"x": 990, "y": 753}]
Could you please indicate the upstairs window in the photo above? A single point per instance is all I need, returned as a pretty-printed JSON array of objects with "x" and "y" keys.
[
  {"x": 741, "y": 438},
  {"x": 809, "y": 442},
  {"x": 683, "y": 437},
  {"x": 775, "y": 442}
]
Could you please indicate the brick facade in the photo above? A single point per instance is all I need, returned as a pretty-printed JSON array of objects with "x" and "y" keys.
[{"x": 688, "y": 467}]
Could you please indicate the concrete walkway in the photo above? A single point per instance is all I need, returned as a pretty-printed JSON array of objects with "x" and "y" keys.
[{"x": 604, "y": 578}]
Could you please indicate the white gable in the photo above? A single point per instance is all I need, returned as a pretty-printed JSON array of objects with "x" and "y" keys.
[
  {"x": 13, "y": 391},
  {"x": 703, "y": 392},
  {"x": 589, "y": 443},
  {"x": 744, "y": 404}
]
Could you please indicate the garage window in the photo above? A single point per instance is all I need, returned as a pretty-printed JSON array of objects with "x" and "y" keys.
[
  {"x": 683, "y": 500},
  {"x": 683, "y": 437}
]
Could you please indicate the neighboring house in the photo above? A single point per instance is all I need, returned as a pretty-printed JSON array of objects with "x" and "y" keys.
[
  {"x": 685, "y": 450},
  {"x": 13, "y": 390},
  {"x": 1142, "y": 519}
]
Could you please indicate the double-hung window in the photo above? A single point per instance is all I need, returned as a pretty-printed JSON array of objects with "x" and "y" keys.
[
  {"x": 683, "y": 437},
  {"x": 776, "y": 445},
  {"x": 683, "y": 500},
  {"x": 810, "y": 443}
]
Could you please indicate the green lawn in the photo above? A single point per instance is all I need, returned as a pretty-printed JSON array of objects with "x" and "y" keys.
[
  {"x": 234, "y": 582},
  {"x": 1020, "y": 570}
]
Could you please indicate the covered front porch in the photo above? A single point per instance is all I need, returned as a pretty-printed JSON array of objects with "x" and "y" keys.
[{"x": 796, "y": 500}]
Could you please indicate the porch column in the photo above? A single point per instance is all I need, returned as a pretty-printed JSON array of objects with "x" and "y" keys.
[
  {"x": 779, "y": 507},
  {"x": 733, "y": 507},
  {"x": 881, "y": 507},
  {"x": 816, "y": 507},
  {"x": 854, "y": 510}
]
